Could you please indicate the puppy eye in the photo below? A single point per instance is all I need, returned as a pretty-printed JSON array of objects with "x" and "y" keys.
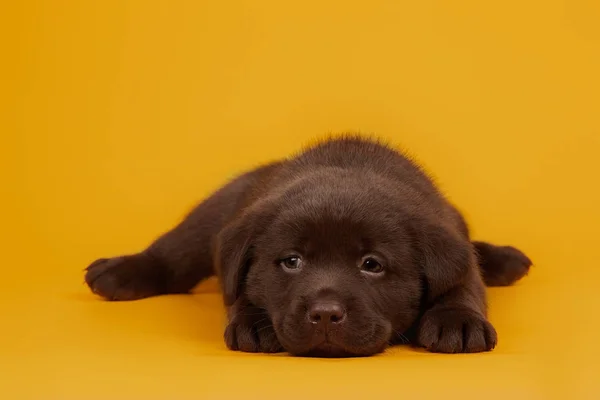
[
  {"x": 291, "y": 263},
  {"x": 371, "y": 266}
]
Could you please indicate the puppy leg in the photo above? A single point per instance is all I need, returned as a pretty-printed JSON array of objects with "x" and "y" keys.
[
  {"x": 250, "y": 329},
  {"x": 179, "y": 259},
  {"x": 457, "y": 323},
  {"x": 501, "y": 265},
  {"x": 174, "y": 263},
  {"x": 129, "y": 277}
]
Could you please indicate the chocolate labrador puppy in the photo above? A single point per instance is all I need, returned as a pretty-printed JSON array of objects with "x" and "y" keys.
[{"x": 340, "y": 251}]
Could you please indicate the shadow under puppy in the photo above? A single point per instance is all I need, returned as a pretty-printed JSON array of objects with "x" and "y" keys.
[{"x": 340, "y": 251}]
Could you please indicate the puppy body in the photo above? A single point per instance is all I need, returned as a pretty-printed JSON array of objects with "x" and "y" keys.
[{"x": 341, "y": 250}]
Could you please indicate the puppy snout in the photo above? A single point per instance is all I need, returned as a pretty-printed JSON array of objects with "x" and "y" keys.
[{"x": 326, "y": 313}]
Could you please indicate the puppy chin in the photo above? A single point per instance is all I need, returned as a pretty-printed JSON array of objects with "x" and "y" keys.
[
  {"x": 331, "y": 345},
  {"x": 328, "y": 350},
  {"x": 333, "y": 350}
]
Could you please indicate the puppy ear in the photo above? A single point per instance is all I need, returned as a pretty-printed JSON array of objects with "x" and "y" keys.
[
  {"x": 445, "y": 257},
  {"x": 233, "y": 256},
  {"x": 235, "y": 247}
]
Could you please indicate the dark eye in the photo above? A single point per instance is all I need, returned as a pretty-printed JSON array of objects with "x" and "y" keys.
[
  {"x": 371, "y": 266},
  {"x": 291, "y": 263}
]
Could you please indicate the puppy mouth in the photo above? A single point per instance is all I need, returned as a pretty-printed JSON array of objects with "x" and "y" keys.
[
  {"x": 333, "y": 343},
  {"x": 327, "y": 347},
  {"x": 319, "y": 346},
  {"x": 328, "y": 350}
]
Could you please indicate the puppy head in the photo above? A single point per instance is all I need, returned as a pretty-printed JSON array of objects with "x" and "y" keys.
[{"x": 340, "y": 271}]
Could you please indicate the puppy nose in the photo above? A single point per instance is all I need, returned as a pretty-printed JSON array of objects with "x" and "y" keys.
[{"x": 326, "y": 313}]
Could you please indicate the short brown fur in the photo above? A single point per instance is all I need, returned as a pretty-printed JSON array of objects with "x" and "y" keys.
[{"x": 341, "y": 250}]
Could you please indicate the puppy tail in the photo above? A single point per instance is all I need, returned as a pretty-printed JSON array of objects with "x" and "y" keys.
[{"x": 501, "y": 265}]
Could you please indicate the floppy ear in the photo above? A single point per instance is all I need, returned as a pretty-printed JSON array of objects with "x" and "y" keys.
[
  {"x": 235, "y": 246},
  {"x": 445, "y": 257},
  {"x": 233, "y": 256}
]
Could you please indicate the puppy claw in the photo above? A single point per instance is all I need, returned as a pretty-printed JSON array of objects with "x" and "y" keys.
[{"x": 456, "y": 331}]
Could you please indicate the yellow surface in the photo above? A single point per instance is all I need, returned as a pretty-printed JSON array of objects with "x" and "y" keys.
[{"x": 118, "y": 116}]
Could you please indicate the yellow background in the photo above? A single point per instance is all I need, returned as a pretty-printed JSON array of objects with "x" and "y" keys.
[{"x": 117, "y": 116}]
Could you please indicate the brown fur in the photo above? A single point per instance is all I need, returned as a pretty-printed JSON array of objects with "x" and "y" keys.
[{"x": 342, "y": 250}]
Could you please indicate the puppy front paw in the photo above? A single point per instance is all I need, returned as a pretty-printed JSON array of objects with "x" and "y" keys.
[
  {"x": 456, "y": 330},
  {"x": 252, "y": 333}
]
